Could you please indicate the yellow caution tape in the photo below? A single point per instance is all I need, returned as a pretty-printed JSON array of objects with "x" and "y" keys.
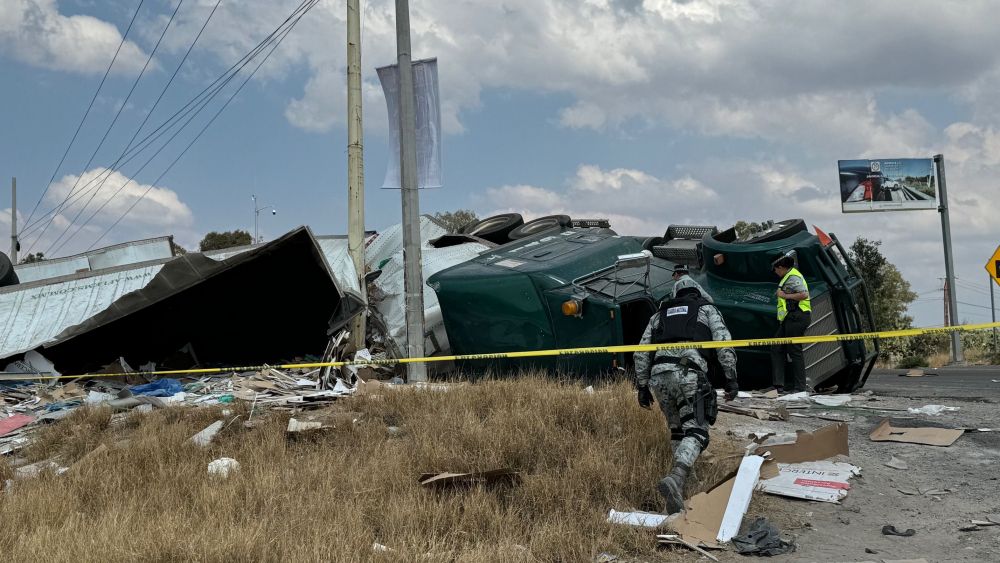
[{"x": 712, "y": 344}]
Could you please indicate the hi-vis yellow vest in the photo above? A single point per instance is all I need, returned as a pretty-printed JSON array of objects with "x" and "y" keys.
[{"x": 804, "y": 305}]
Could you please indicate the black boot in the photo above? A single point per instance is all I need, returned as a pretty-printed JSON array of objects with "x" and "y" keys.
[{"x": 672, "y": 488}]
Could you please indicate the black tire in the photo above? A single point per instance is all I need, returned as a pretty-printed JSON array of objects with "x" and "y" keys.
[
  {"x": 7, "y": 274},
  {"x": 650, "y": 242},
  {"x": 785, "y": 229},
  {"x": 496, "y": 228},
  {"x": 540, "y": 225}
]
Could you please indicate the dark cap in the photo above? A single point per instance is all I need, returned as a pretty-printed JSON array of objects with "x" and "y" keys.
[{"x": 681, "y": 269}]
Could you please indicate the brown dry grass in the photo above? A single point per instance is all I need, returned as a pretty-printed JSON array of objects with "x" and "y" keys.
[{"x": 330, "y": 496}]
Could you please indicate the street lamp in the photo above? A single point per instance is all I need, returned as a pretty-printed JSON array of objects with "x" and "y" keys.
[{"x": 256, "y": 216}]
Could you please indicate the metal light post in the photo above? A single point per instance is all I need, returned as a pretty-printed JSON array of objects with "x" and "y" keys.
[
  {"x": 412, "y": 271},
  {"x": 957, "y": 357},
  {"x": 256, "y": 216}
]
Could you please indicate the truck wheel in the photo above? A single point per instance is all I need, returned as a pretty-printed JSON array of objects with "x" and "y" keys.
[
  {"x": 496, "y": 228},
  {"x": 7, "y": 274},
  {"x": 541, "y": 224}
]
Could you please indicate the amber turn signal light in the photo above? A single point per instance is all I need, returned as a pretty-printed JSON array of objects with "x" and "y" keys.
[{"x": 572, "y": 308}]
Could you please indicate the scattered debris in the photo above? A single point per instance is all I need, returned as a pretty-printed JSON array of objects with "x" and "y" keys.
[
  {"x": 589, "y": 390},
  {"x": 204, "y": 438},
  {"x": 223, "y": 466},
  {"x": 605, "y": 557},
  {"x": 927, "y": 436},
  {"x": 824, "y": 481},
  {"x": 917, "y": 373},
  {"x": 36, "y": 469},
  {"x": 969, "y": 528},
  {"x": 673, "y": 539},
  {"x": 897, "y": 463},
  {"x": 641, "y": 519},
  {"x": 890, "y": 530},
  {"x": 933, "y": 410},
  {"x": 995, "y": 518},
  {"x": 779, "y": 413},
  {"x": 762, "y": 538},
  {"x": 492, "y": 477}
]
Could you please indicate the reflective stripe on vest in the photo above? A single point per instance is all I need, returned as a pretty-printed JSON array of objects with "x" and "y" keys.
[{"x": 804, "y": 305}]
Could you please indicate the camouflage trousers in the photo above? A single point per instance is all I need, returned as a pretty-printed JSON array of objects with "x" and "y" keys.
[{"x": 678, "y": 392}]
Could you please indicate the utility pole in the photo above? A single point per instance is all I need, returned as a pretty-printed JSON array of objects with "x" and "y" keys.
[
  {"x": 13, "y": 221},
  {"x": 355, "y": 165},
  {"x": 947, "y": 306},
  {"x": 957, "y": 357},
  {"x": 413, "y": 279}
]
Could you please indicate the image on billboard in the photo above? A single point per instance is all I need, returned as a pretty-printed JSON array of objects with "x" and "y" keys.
[{"x": 889, "y": 184}]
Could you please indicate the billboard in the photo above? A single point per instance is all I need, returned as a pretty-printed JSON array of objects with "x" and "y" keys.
[{"x": 890, "y": 184}]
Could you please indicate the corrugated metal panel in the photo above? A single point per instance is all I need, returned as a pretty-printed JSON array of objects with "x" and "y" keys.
[
  {"x": 134, "y": 252},
  {"x": 335, "y": 250},
  {"x": 47, "y": 269},
  {"x": 33, "y": 315},
  {"x": 390, "y": 241}
]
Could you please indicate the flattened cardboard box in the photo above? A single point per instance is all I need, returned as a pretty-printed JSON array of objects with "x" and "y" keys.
[{"x": 927, "y": 436}]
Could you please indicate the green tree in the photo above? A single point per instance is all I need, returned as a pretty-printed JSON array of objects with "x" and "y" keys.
[
  {"x": 890, "y": 293},
  {"x": 228, "y": 239},
  {"x": 455, "y": 220},
  {"x": 745, "y": 230},
  {"x": 32, "y": 258}
]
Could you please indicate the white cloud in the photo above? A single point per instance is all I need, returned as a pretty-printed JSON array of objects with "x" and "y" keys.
[
  {"x": 34, "y": 32},
  {"x": 721, "y": 67},
  {"x": 160, "y": 212}
]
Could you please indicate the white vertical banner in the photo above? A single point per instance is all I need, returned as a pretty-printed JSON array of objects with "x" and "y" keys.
[{"x": 428, "y": 110}]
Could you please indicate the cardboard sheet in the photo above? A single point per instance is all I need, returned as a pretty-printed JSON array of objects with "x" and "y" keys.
[
  {"x": 824, "y": 481},
  {"x": 701, "y": 522},
  {"x": 927, "y": 436},
  {"x": 824, "y": 443}
]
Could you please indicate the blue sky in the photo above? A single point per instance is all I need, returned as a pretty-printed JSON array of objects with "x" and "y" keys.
[{"x": 648, "y": 112}]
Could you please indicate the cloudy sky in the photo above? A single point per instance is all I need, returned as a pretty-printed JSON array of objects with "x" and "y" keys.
[{"x": 648, "y": 112}]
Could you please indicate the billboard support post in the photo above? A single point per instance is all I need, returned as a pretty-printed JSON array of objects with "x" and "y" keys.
[{"x": 957, "y": 357}]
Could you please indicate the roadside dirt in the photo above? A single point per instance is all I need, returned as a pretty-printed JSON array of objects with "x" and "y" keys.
[{"x": 970, "y": 468}]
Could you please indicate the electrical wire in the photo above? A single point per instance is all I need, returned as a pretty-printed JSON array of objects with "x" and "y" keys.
[
  {"x": 107, "y": 176},
  {"x": 311, "y": 4},
  {"x": 85, "y": 114},
  {"x": 114, "y": 121},
  {"x": 196, "y": 104},
  {"x": 167, "y": 125}
]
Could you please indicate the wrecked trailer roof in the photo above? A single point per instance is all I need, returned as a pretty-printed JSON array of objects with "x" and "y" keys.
[
  {"x": 123, "y": 254},
  {"x": 275, "y": 301}
]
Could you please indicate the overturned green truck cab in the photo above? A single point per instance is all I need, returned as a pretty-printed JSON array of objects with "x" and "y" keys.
[{"x": 589, "y": 287}]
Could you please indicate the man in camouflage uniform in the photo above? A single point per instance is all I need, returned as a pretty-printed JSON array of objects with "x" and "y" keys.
[{"x": 679, "y": 381}]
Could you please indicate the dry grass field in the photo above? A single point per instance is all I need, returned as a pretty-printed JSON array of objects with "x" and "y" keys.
[{"x": 332, "y": 494}]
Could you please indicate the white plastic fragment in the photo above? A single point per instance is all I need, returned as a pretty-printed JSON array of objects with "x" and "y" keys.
[
  {"x": 204, "y": 438},
  {"x": 645, "y": 519},
  {"x": 223, "y": 466},
  {"x": 800, "y": 396},
  {"x": 300, "y": 426},
  {"x": 96, "y": 398},
  {"x": 831, "y": 400},
  {"x": 933, "y": 410},
  {"x": 739, "y": 500}
]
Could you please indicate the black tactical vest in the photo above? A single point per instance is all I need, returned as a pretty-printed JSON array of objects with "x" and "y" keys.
[{"x": 679, "y": 321}]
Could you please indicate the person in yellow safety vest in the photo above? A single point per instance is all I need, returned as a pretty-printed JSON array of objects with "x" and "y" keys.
[{"x": 793, "y": 319}]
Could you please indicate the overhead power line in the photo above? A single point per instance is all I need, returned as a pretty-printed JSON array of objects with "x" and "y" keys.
[
  {"x": 193, "y": 106},
  {"x": 107, "y": 132},
  {"x": 309, "y": 4},
  {"x": 90, "y": 106}
]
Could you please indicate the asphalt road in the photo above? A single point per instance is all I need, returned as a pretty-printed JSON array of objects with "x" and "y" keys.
[{"x": 970, "y": 383}]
